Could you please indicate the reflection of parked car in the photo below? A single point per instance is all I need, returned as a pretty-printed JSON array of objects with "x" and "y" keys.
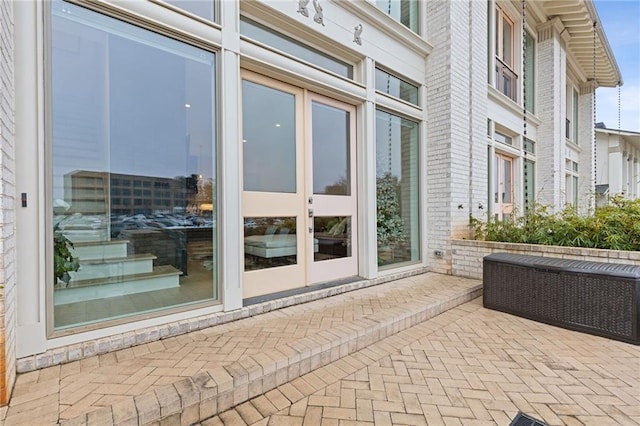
[
  {"x": 158, "y": 221},
  {"x": 131, "y": 223}
]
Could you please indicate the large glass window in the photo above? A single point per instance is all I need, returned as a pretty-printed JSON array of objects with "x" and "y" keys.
[
  {"x": 405, "y": 11},
  {"x": 129, "y": 108},
  {"x": 397, "y": 198}
]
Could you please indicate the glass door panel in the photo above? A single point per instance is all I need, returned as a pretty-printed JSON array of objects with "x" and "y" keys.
[
  {"x": 331, "y": 167},
  {"x": 268, "y": 139},
  {"x": 504, "y": 186},
  {"x": 332, "y": 237},
  {"x": 273, "y": 182},
  {"x": 332, "y": 203}
]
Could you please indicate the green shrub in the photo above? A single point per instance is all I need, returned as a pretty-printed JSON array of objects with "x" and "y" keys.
[{"x": 615, "y": 226}]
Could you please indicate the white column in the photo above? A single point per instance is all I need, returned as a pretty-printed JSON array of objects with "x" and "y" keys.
[
  {"x": 551, "y": 107},
  {"x": 231, "y": 227},
  {"x": 367, "y": 235},
  {"x": 30, "y": 224},
  {"x": 587, "y": 168}
]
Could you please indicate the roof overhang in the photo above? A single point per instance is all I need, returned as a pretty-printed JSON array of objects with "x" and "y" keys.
[
  {"x": 578, "y": 18},
  {"x": 630, "y": 137}
]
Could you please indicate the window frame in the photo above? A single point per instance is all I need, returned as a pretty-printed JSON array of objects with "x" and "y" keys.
[
  {"x": 506, "y": 77},
  {"x": 163, "y": 29},
  {"x": 572, "y": 184},
  {"x": 501, "y": 17}
]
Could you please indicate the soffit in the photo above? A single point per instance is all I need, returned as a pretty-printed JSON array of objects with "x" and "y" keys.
[{"x": 578, "y": 17}]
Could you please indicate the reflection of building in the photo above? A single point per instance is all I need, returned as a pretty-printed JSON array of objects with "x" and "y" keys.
[
  {"x": 87, "y": 193},
  {"x": 618, "y": 163}
]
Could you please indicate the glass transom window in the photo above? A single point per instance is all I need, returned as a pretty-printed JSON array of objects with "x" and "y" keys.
[
  {"x": 202, "y": 8},
  {"x": 396, "y": 87},
  {"x": 130, "y": 109},
  {"x": 286, "y": 44}
]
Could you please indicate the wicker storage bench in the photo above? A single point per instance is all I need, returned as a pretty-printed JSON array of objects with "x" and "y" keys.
[{"x": 592, "y": 297}]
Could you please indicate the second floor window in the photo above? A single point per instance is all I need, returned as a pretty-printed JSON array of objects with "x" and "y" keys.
[
  {"x": 529, "y": 72},
  {"x": 405, "y": 11},
  {"x": 506, "y": 79},
  {"x": 571, "y": 127}
]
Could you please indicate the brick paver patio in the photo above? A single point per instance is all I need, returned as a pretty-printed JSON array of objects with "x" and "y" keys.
[
  {"x": 468, "y": 366},
  {"x": 411, "y": 351},
  {"x": 199, "y": 374}
]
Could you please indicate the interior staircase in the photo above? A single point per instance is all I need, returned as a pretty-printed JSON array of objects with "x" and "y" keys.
[{"x": 107, "y": 270}]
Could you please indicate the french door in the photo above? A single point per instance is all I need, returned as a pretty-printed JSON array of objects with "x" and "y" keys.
[
  {"x": 299, "y": 187},
  {"x": 503, "y": 194}
]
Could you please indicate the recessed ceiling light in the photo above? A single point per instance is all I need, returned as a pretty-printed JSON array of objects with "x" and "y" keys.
[
  {"x": 277, "y": 124},
  {"x": 187, "y": 105}
]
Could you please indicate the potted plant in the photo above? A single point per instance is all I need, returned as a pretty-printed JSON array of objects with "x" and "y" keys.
[{"x": 63, "y": 260}]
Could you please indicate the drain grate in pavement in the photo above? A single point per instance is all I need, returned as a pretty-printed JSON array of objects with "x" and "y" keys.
[{"x": 522, "y": 419}]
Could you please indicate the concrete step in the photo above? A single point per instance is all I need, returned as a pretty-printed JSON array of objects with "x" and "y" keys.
[
  {"x": 79, "y": 234},
  {"x": 113, "y": 267},
  {"x": 94, "y": 250},
  {"x": 162, "y": 277}
]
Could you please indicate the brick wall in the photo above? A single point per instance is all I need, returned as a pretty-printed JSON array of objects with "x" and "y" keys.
[
  {"x": 7, "y": 206},
  {"x": 467, "y": 254},
  {"x": 457, "y": 114}
]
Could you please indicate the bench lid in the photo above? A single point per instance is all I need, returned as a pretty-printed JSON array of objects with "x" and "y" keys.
[{"x": 553, "y": 264}]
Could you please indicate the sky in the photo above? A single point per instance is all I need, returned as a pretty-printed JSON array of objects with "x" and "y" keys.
[{"x": 620, "y": 20}]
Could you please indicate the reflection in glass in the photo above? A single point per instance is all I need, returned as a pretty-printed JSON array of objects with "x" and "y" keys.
[
  {"x": 202, "y": 8},
  {"x": 506, "y": 175},
  {"x": 269, "y": 242},
  {"x": 133, "y": 176},
  {"x": 529, "y": 183},
  {"x": 332, "y": 236},
  {"x": 396, "y": 87},
  {"x": 398, "y": 227},
  {"x": 331, "y": 174},
  {"x": 268, "y": 139}
]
